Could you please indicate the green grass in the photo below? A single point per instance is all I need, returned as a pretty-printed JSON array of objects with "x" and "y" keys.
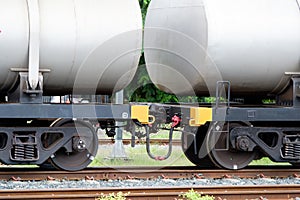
[
  {"x": 137, "y": 156},
  {"x": 267, "y": 161},
  {"x": 194, "y": 195},
  {"x": 113, "y": 196}
]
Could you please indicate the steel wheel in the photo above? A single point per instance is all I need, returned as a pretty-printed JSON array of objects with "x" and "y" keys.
[
  {"x": 79, "y": 158},
  {"x": 46, "y": 142},
  {"x": 220, "y": 151},
  {"x": 188, "y": 146}
]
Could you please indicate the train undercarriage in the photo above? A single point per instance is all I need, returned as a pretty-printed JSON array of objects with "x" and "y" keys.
[
  {"x": 223, "y": 135},
  {"x": 237, "y": 135},
  {"x": 43, "y": 134}
]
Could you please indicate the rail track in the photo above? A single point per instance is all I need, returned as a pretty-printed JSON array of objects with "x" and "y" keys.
[
  {"x": 129, "y": 173},
  {"x": 220, "y": 192}
]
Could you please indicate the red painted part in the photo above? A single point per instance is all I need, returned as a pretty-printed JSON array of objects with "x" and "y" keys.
[{"x": 176, "y": 120}]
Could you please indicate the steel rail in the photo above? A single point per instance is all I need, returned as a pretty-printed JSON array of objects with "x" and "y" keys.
[
  {"x": 221, "y": 192},
  {"x": 124, "y": 173}
]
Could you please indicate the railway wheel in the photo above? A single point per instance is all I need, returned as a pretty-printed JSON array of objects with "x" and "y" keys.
[
  {"x": 192, "y": 150},
  {"x": 220, "y": 150},
  {"x": 85, "y": 146}
]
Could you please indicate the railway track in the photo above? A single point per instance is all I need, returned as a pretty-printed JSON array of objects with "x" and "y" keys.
[
  {"x": 219, "y": 192},
  {"x": 128, "y": 173},
  {"x": 269, "y": 192}
]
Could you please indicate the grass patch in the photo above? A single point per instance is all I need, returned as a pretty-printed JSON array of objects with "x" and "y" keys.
[
  {"x": 113, "y": 196},
  {"x": 267, "y": 161},
  {"x": 138, "y": 156},
  {"x": 194, "y": 195}
]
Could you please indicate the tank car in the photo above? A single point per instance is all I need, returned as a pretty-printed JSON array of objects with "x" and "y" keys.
[
  {"x": 233, "y": 50},
  {"x": 239, "y": 51},
  {"x": 61, "y": 47}
]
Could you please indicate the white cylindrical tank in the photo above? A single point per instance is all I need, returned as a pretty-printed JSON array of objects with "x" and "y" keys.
[
  {"x": 88, "y": 45},
  {"x": 192, "y": 44}
]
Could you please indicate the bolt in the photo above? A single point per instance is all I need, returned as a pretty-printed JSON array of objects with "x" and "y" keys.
[
  {"x": 243, "y": 143},
  {"x": 91, "y": 158},
  {"x": 79, "y": 144}
]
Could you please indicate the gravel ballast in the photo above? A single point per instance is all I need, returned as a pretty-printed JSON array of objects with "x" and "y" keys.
[{"x": 92, "y": 184}]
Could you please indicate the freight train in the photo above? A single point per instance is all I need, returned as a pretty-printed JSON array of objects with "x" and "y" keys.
[{"x": 238, "y": 51}]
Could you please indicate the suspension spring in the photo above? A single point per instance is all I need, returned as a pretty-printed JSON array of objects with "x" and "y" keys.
[
  {"x": 297, "y": 150},
  {"x": 19, "y": 152},
  {"x": 29, "y": 152},
  {"x": 24, "y": 152},
  {"x": 291, "y": 148}
]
